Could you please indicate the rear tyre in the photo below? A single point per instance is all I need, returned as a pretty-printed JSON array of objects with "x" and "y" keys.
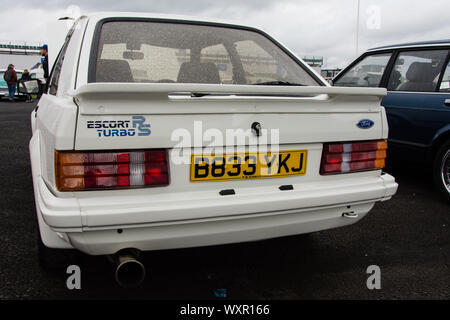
[{"x": 441, "y": 170}]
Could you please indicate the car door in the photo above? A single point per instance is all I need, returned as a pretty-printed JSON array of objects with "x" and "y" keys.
[
  {"x": 444, "y": 95},
  {"x": 414, "y": 105}
]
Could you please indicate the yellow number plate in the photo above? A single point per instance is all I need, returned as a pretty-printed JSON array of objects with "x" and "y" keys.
[{"x": 250, "y": 165}]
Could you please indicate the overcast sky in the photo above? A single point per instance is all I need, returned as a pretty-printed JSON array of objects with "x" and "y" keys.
[{"x": 310, "y": 28}]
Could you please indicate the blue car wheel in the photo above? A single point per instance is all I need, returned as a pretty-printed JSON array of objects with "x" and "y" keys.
[{"x": 441, "y": 170}]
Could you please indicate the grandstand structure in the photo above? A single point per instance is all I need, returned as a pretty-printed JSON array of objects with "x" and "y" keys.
[
  {"x": 24, "y": 55},
  {"x": 315, "y": 62},
  {"x": 17, "y": 47}
]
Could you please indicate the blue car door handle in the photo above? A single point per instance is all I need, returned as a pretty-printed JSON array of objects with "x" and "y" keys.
[{"x": 447, "y": 102}]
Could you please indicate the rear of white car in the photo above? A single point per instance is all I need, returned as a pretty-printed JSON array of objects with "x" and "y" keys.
[{"x": 162, "y": 133}]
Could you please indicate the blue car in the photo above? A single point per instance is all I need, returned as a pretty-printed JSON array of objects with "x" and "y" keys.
[{"x": 417, "y": 77}]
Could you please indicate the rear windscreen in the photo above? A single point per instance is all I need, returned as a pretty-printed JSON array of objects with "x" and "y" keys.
[{"x": 155, "y": 52}]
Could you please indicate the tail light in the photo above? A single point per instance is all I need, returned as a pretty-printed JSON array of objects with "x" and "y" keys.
[
  {"x": 110, "y": 170},
  {"x": 353, "y": 157}
]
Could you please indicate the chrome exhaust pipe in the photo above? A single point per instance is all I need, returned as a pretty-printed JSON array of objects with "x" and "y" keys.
[{"x": 130, "y": 272}]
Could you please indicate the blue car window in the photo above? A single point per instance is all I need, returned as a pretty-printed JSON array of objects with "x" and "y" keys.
[
  {"x": 445, "y": 83},
  {"x": 366, "y": 73},
  {"x": 417, "y": 71}
]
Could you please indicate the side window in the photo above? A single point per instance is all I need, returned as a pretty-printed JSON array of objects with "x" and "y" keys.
[
  {"x": 445, "y": 83},
  {"x": 219, "y": 56},
  {"x": 417, "y": 71},
  {"x": 367, "y": 73},
  {"x": 56, "y": 71}
]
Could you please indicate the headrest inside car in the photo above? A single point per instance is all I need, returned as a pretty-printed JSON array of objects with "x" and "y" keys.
[
  {"x": 192, "y": 72},
  {"x": 421, "y": 72},
  {"x": 113, "y": 71}
]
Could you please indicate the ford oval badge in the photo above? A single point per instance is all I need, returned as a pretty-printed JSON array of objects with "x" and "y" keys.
[{"x": 365, "y": 124}]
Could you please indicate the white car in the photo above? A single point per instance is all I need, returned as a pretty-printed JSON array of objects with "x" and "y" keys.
[{"x": 162, "y": 132}]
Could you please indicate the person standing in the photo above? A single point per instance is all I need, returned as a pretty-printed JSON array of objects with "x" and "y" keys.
[
  {"x": 44, "y": 53},
  {"x": 10, "y": 77},
  {"x": 25, "y": 77}
]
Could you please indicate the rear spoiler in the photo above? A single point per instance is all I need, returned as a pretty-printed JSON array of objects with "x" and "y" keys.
[
  {"x": 164, "y": 90},
  {"x": 153, "y": 98}
]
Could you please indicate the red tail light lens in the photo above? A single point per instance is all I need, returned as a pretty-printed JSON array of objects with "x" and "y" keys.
[
  {"x": 110, "y": 170},
  {"x": 353, "y": 157}
]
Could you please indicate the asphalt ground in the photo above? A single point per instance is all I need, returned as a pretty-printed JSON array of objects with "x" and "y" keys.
[{"x": 408, "y": 237}]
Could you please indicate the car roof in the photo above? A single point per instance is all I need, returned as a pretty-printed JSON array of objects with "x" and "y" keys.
[{"x": 445, "y": 42}]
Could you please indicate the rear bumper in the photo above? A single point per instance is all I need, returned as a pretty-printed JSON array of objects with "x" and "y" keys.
[
  {"x": 92, "y": 226},
  {"x": 205, "y": 232}
]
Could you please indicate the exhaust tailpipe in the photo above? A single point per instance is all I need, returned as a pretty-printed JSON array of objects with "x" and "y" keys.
[{"x": 130, "y": 272}]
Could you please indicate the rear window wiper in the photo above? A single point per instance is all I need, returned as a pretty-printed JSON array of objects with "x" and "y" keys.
[
  {"x": 267, "y": 83},
  {"x": 278, "y": 83}
]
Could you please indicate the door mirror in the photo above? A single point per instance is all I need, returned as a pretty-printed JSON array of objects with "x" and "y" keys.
[{"x": 33, "y": 86}]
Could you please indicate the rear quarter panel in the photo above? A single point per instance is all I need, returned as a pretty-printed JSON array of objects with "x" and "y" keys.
[{"x": 56, "y": 127}]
